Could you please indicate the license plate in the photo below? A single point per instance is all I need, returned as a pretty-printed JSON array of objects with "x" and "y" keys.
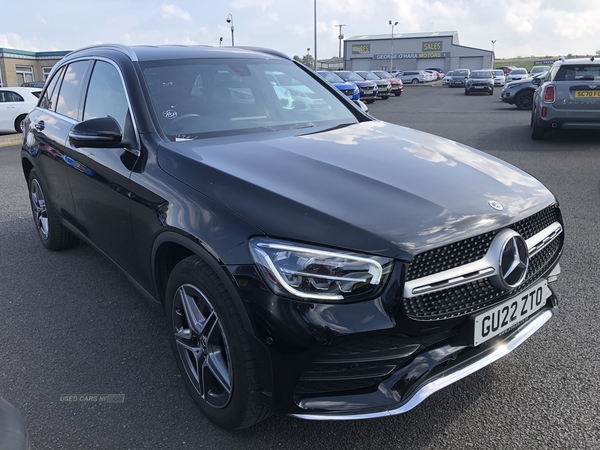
[
  {"x": 504, "y": 316},
  {"x": 478, "y": 87},
  {"x": 587, "y": 94}
]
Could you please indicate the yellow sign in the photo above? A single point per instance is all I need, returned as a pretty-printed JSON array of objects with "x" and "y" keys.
[{"x": 432, "y": 46}]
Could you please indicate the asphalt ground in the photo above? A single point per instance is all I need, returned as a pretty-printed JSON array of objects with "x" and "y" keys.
[{"x": 70, "y": 323}]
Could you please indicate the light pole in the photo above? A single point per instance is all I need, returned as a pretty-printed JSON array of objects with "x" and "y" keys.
[
  {"x": 493, "y": 42},
  {"x": 340, "y": 37},
  {"x": 220, "y": 40},
  {"x": 230, "y": 20},
  {"x": 392, "y": 54},
  {"x": 315, "y": 35}
]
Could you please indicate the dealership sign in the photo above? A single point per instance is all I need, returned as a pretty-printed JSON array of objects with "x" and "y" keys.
[
  {"x": 420, "y": 55},
  {"x": 361, "y": 49}
]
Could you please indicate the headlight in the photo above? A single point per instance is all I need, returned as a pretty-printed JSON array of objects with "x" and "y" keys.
[
  {"x": 356, "y": 90},
  {"x": 304, "y": 272}
]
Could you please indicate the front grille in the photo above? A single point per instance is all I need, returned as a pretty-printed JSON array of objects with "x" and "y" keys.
[{"x": 470, "y": 297}]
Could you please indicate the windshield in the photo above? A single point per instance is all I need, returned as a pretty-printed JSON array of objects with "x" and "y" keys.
[
  {"x": 369, "y": 76},
  {"x": 518, "y": 72},
  {"x": 350, "y": 76},
  {"x": 481, "y": 74},
  {"x": 214, "y": 97},
  {"x": 383, "y": 74},
  {"x": 460, "y": 73},
  {"x": 331, "y": 77},
  {"x": 498, "y": 73}
]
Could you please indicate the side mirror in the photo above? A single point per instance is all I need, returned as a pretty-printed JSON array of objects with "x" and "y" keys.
[
  {"x": 102, "y": 132},
  {"x": 536, "y": 81}
]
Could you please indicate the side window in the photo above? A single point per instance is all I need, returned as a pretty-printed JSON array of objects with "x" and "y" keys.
[
  {"x": 9, "y": 96},
  {"x": 69, "y": 97},
  {"x": 49, "y": 100},
  {"x": 106, "y": 94}
]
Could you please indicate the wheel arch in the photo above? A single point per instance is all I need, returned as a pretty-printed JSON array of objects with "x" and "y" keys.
[
  {"x": 27, "y": 168},
  {"x": 170, "y": 248}
]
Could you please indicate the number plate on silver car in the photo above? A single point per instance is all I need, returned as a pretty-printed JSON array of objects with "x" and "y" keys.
[{"x": 502, "y": 317}]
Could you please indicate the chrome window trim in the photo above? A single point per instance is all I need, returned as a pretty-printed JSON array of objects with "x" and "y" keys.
[{"x": 477, "y": 270}]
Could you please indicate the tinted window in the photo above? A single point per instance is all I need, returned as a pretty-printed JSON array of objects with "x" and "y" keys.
[
  {"x": 9, "y": 96},
  {"x": 106, "y": 94},
  {"x": 461, "y": 73},
  {"x": 51, "y": 93},
  {"x": 578, "y": 73},
  {"x": 483, "y": 74},
  {"x": 69, "y": 96}
]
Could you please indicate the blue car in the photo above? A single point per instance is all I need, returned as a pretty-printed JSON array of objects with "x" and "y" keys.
[
  {"x": 368, "y": 89},
  {"x": 346, "y": 87}
]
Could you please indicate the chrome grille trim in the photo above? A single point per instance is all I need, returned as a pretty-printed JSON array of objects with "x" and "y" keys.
[{"x": 477, "y": 270}]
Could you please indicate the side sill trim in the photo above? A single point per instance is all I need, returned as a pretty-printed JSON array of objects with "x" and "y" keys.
[{"x": 451, "y": 376}]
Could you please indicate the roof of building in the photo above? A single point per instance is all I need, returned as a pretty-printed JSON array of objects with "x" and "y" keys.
[{"x": 430, "y": 34}]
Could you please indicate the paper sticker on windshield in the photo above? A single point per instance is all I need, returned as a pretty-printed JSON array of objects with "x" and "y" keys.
[{"x": 169, "y": 114}]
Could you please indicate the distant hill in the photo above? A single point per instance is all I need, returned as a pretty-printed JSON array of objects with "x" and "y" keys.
[{"x": 529, "y": 61}]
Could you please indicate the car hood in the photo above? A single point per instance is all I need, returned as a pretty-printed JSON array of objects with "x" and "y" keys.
[
  {"x": 345, "y": 85},
  {"x": 372, "y": 187}
]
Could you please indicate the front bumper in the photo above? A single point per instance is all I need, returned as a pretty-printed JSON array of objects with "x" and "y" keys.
[
  {"x": 438, "y": 378},
  {"x": 479, "y": 88}
]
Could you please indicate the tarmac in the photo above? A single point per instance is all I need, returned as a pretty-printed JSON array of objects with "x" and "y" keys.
[{"x": 10, "y": 139}]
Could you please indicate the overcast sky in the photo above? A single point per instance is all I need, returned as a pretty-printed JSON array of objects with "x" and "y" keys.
[{"x": 519, "y": 27}]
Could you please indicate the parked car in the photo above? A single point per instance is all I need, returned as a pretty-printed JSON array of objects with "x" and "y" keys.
[
  {"x": 480, "y": 81},
  {"x": 347, "y": 88},
  {"x": 316, "y": 263},
  {"x": 397, "y": 85},
  {"x": 438, "y": 70},
  {"x": 459, "y": 78},
  {"x": 303, "y": 97},
  {"x": 538, "y": 69},
  {"x": 384, "y": 87},
  {"x": 447, "y": 78},
  {"x": 15, "y": 103},
  {"x": 520, "y": 93},
  {"x": 368, "y": 89},
  {"x": 33, "y": 84},
  {"x": 506, "y": 69},
  {"x": 412, "y": 76},
  {"x": 434, "y": 75},
  {"x": 517, "y": 74},
  {"x": 499, "y": 77},
  {"x": 567, "y": 97}
]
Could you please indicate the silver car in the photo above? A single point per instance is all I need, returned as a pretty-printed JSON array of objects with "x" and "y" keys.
[
  {"x": 412, "y": 76},
  {"x": 517, "y": 74},
  {"x": 568, "y": 97},
  {"x": 459, "y": 77},
  {"x": 499, "y": 77}
]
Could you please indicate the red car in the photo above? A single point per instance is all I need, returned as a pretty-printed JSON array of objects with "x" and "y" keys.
[{"x": 397, "y": 86}]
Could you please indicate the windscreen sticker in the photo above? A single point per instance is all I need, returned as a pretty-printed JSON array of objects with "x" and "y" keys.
[{"x": 169, "y": 114}]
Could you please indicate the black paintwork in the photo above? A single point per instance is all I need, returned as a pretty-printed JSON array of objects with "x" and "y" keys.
[{"x": 370, "y": 187}]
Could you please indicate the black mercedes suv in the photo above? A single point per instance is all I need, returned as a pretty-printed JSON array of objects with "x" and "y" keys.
[{"x": 311, "y": 261}]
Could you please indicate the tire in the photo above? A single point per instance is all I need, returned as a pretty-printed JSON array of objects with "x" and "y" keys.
[
  {"x": 385, "y": 97},
  {"x": 415, "y": 81},
  {"x": 466, "y": 92},
  {"x": 397, "y": 94},
  {"x": 537, "y": 132},
  {"x": 370, "y": 101},
  {"x": 524, "y": 100},
  {"x": 18, "y": 122},
  {"x": 52, "y": 233},
  {"x": 226, "y": 389},
  {"x": 491, "y": 92}
]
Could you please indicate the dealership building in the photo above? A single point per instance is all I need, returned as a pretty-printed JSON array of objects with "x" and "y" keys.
[
  {"x": 408, "y": 51},
  {"x": 20, "y": 66}
]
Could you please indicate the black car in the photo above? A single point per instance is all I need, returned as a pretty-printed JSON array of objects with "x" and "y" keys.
[
  {"x": 480, "y": 81},
  {"x": 369, "y": 90},
  {"x": 311, "y": 262},
  {"x": 520, "y": 92}
]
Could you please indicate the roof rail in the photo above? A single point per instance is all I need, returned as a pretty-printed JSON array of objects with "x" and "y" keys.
[{"x": 120, "y": 47}]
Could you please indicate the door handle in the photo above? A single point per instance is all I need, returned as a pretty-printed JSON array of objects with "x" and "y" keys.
[{"x": 40, "y": 125}]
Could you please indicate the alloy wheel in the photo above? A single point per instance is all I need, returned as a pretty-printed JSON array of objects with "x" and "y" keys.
[
  {"x": 202, "y": 346},
  {"x": 39, "y": 208}
]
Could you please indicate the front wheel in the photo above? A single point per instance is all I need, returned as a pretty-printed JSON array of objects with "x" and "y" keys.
[
  {"x": 397, "y": 94},
  {"x": 370, "y": 101},
  {"x": 415, "y": 81},
  {"x": 18, "y": 125},
  {"x": 212, "y": 347},
  {"x": 385, "y": 97}
]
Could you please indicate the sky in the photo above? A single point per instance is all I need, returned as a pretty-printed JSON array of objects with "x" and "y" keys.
[{"x": 518, "y": 27}]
